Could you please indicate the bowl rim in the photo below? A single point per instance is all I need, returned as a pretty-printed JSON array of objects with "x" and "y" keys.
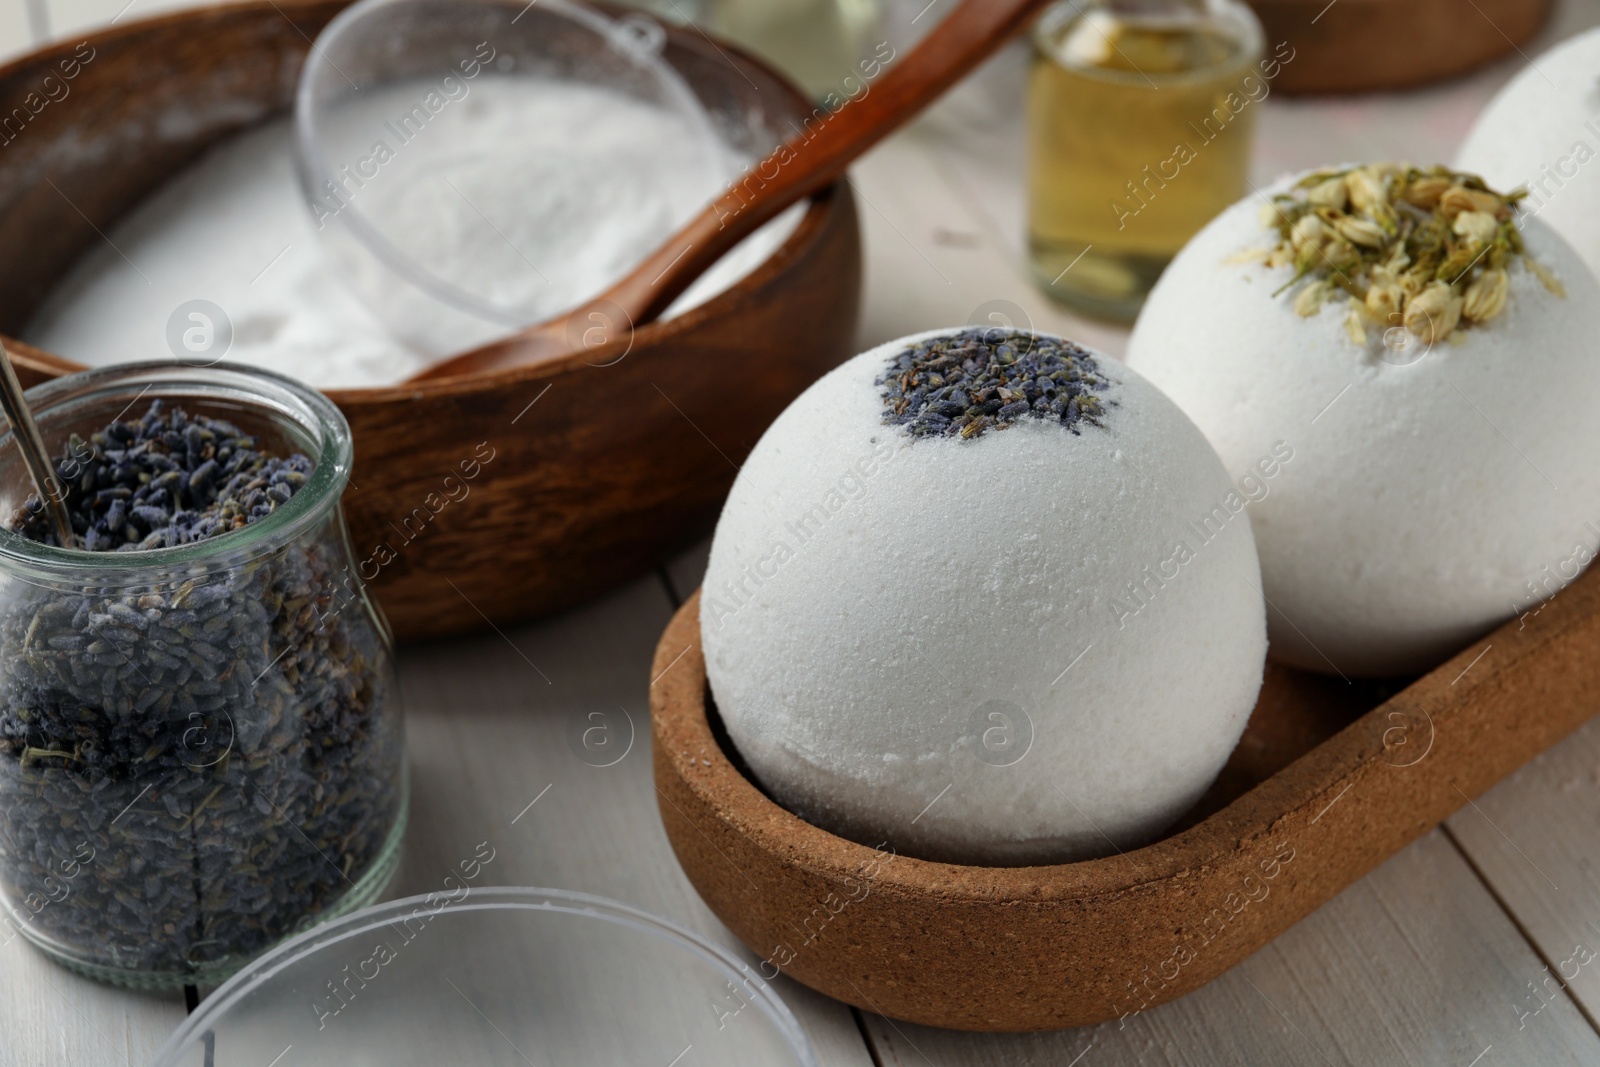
[
  {"x": 489, "y": 898},
  {"x": 821, "y": 208}
]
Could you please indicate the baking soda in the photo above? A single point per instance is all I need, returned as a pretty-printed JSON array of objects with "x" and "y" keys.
[{"x": 530, "y": 193}]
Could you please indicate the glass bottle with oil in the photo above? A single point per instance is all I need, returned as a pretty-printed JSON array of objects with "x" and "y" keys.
[{"x": 1141, "y": 115}]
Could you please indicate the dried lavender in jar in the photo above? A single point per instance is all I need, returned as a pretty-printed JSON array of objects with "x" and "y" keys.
[{"x": 192, "y": 767}]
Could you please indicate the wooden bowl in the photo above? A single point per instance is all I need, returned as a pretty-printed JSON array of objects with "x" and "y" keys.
[
  {"x": 1353, "y": 46},
  {"x": 1323, "y": 787},
  {"x": 609, "y": 471}
]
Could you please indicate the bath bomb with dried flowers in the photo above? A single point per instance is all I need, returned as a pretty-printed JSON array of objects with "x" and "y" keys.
[
  {"x": 1542, "y": 133},
  {"x": 985, "y": 596},
  {"x": 1429, "y": 357}
]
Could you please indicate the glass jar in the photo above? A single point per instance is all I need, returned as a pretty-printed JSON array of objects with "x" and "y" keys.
[
  {"x": 201, "y": 746},
  {"x": 1141, "y": 116}
]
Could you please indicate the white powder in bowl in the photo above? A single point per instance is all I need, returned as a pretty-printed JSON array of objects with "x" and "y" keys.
[
  {"x": 234, "y": 229},
  {"x": 1432, "y": 495},
  {"x": 529, "y": 193},
  {"x": 1542, "y": 132},
  {"x": 1009, "y": 650}
]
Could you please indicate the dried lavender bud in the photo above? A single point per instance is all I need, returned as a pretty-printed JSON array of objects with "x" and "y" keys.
[
  {"x": 962, "y": 384},
  {"x": 167, "y": 479},
  {"x": 214, "y": 754}
]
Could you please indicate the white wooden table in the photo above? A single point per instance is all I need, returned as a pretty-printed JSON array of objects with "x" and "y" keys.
[{"x": 1447, "y": 954}]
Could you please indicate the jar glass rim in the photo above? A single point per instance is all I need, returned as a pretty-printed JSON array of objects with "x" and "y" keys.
[
  {"x": 506, "y": 904},
  {"x": 275, "y": 395},
  {"x": 1243, "y": 23}
]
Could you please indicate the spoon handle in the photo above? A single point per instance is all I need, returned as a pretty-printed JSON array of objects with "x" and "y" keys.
[
  {"x": 825, "y": 144},
  {"x": 34, "y": 455}
]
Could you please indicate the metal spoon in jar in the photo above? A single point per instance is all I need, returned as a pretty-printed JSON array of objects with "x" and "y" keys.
[{"x": 34, "y": 455}]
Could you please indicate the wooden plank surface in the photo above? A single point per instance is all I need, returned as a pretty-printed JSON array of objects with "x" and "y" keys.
[
  {"x": 1533, "y": 839},
  {"x": 1418, "y": 963},
  {"x": 935, "y": 259},
  {"x": 70, "y": 17},
  {"x": 16, "y": 30},
  {"x": 496, "y": 734},
  {"x": 495, "y": 727},
  {"x": 50, "y": 1016}
]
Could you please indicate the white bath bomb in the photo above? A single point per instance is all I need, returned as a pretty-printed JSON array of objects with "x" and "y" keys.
[
  {"x": 1432, "y": 491},
  {"x": 1542, "y": 132},
  {"x": 1012, "y": 649}
]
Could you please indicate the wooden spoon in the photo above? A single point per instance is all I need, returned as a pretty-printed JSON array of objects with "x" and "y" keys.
[{"x": 807, "y": 163}]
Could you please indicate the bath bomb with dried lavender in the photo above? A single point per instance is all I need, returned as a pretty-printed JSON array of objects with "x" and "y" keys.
[
  {"x": 1542, "y": 132},
  {"x": 1427, "y": 355},
  {"x": 988, "y": 597}
]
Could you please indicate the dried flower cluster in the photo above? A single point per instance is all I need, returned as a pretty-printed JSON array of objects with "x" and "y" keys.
[
  {"x": 165, "y": 479},
  {"x": 962, "y": 384},
  {"x": 1424, "y": 249}
]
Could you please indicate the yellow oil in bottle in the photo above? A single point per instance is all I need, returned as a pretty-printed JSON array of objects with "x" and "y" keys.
[{"x": 1141, "y": 118}]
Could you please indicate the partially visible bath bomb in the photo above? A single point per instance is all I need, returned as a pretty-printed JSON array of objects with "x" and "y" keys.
[
  {"x": 987, "y": 597},
  {"x": 1542, "y": 132},
  {"x": 1434, "y": 489}
]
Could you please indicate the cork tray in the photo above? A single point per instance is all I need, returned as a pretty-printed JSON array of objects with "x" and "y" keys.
[{"x": 1329, "y": 780}]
